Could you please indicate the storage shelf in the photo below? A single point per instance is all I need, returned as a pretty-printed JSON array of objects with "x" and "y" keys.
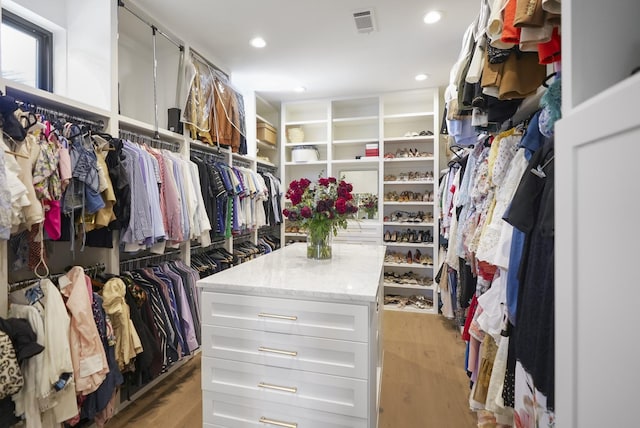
[
  {"x": 408, "y": 265},
  {"x": 407, "y": 203},
  {"x": 417, "y": 159},
  {"x": 349, "y": 121},
  {"x": 306, "y": 163},
  {"x": 307, "y": 143},
  {"x": 401, "y": 116},
  {"x": 363, "y": 160},
  {"x": 49, "y": 100},
  {"x": 419, "y": 139},
  {"x": 307, "y": 122},
  {"x": 243, "y": 158},
  {"x": 263, "y": 120},
  {"x": 267, "y": 163},
  {"x": 356, "y": 141},
  {"x": 198, "y": 145},
  {"x": 264, "y": 145},
  {"x": 295, "y": 234},
  {"x": 402, "y": 183},
  {"x": 129, "y": 123},
  {"x": 408, "y": 244},
  {"x": 412, "y": 309},
  {"x": 409, "y": 286},
  {"x": 406, "y": 223}
]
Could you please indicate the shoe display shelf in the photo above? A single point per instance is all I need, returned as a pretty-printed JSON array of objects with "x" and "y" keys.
[{"x": 410, "y": 153}]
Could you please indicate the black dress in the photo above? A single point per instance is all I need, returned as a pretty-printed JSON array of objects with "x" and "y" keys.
[{"x": 532, "y": 211}]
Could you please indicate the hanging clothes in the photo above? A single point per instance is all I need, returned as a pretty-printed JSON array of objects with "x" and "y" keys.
[
  {"x": 87, "y": 353},
  {"x": 49, "y": 396},
  {"x": 214, "y": 111}
]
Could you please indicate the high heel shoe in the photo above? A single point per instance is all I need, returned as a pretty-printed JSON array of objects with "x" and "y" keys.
[
  {"x": 387, "y": 236},
  {"x": 394, "y": 236},
  {"x": 417, "y": 257},
  {"x": 409, "y": 257}
]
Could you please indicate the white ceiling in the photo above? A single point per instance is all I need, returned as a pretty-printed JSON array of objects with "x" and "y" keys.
[{"x": 314, "y": 43}]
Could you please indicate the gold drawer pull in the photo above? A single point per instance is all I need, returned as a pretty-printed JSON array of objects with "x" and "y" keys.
[
  {"x": 280, "y": 317},
  {"x": 278, "y": 351},
  {"x": 291, "y": 389},
  {"x": 278, "y": 423}
]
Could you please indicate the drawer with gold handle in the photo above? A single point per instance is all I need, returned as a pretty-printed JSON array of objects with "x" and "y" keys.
[
  {"x": 329, "y": 356},
  {"x": 223, "y": 411},
  {"x": 297, "y": 388},
  {"x": 300, "y": 317}
]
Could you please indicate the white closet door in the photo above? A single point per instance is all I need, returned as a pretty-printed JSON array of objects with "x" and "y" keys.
[{"x": 597, "y": 261}]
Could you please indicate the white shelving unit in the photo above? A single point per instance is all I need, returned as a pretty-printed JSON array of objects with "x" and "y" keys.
[
  {"x": 266, "y": 153},
  {"x": 405, "y": 114},
  {"x": 341, "y": 129}
]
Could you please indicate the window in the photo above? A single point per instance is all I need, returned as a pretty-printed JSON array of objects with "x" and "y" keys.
[{"x": 27, "y": 54}]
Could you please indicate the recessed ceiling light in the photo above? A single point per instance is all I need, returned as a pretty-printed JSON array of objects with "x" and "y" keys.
[
  {"x": 421, "y": 77},
  {"x": 258, "y": 42},
  {"x": 300, "y": 89},
  {"x": 432, "y": 17}
]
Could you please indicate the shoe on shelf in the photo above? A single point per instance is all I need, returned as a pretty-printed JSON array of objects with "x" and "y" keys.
[
  {"x": 387, "y": 236},
  {"x": 425, "y": 133},
  {"x": 409, "y": 257}
]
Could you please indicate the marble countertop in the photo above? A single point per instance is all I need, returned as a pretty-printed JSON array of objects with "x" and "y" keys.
[{"x": 353, "y": 274}]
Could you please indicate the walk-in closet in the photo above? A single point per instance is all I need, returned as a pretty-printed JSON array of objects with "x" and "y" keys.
[{"x": 318, "y": 214}]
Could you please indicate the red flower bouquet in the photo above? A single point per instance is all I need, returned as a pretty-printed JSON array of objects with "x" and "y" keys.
[{"x": 320, "y": 210}]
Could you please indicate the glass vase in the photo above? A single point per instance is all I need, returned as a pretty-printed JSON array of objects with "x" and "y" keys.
[{"x": 319, "y": 245}]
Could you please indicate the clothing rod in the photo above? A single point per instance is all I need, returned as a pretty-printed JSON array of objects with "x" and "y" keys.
[
  {"x": 159, "y": 257},
  {"x": 207, "y": 62},
  {"x": 216, "y": 154},
  {"x": 153, "y": 27},
  {"x": 71, "y": 117},
  {"x": 264, "y": 168},
  {"x": 15, "y": 286},
  {"x": 198, "y": 249},
  {"x": 241, "y": 164},
  {"x": 135, "y": 137}
]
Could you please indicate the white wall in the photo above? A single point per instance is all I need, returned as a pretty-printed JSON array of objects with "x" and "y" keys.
[
  {"x": 601, "y": 45},
  {"x": 135, "y": 71},
  {"x": 41, "y": 12},
  {"x": 89, "y": 52},
  {"x": 82, "y": 39}
]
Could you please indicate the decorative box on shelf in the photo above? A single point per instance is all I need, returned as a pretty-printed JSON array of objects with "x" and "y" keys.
[
  {"x": 266, "y": 133},
  {"x": 371, "y": 150}
]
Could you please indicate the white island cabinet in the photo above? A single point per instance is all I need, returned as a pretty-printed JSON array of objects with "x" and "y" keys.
[{"x": 291, "y": 342}]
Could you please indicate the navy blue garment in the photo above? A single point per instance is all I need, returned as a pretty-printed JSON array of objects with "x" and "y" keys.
[
  {"x": 148, "y": 364},
  {"x": 161, "y": 318},
  {"x": 531, "y": 141},
  {"x": 189, "y": 286},
  {"x": 96, "y": 402},
  {"x": 532, "y": 211},
  {"x": 174, "y": 308}
]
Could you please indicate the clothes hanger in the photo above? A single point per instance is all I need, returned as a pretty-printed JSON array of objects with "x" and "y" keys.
[
  {"x": 545, "y": 82},
  {"x": 14, "y": 144}
]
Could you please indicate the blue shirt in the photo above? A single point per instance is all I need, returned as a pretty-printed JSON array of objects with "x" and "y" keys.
[{"x": 139, "y": 227}]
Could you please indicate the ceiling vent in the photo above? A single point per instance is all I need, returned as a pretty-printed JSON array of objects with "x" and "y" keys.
[{"x": 364, "y": 21}]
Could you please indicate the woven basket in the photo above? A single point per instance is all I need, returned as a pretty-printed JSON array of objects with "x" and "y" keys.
[{"x": 295, "y": 135}]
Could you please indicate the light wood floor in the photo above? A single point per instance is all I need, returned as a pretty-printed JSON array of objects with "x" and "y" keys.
[{"x": 423, "y": 382}]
